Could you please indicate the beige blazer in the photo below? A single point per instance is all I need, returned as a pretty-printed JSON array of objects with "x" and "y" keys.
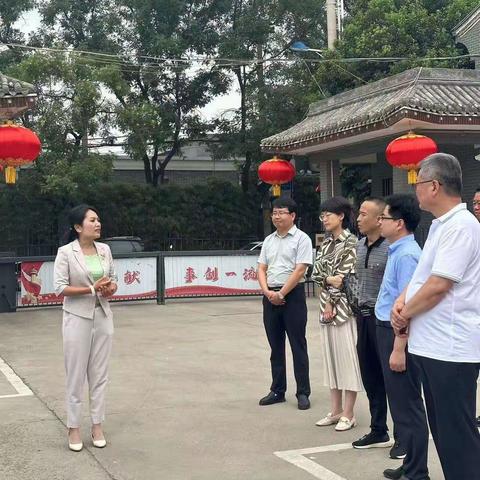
[{"x": 71, "y": 270}]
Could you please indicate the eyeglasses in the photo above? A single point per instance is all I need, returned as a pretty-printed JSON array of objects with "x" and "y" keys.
[
  {"x": 426, "y": 181},
  {"x": 383, "y": 217},
  {"x": 324, "y": 215},
  {"x": 476, "y": 203},
  {"x": 277, "y": 213}
]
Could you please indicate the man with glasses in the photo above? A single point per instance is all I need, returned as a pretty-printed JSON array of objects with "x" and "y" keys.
[
  {"x": 282, "y": 264},
  {"x": 439, "y": 311},
  {"x": 397, "y": 224},
  {"x": 372, "y": 251}
]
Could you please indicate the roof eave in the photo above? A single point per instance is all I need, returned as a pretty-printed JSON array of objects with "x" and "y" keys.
[{"x": 434, "y": 118}]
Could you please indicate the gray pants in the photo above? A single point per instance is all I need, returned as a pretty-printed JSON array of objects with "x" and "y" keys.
[{"x": 86, "y": 346}]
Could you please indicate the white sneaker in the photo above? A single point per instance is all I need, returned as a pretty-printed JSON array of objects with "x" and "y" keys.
[
  {"x": 328, "y": 420},
  {"x": 345, "y": 424}
]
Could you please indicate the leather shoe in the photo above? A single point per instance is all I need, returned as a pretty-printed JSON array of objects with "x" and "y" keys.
[
  {"x": 272, "y": 398},
  {"x": 303, "y": 402},
  {"x": 403, "y": 477},
  {"x": 398, "y": 474},
  {"x": 394, "y": 473}
]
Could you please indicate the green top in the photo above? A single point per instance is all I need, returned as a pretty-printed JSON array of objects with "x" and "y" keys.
[{"x": 94, "y": 266}]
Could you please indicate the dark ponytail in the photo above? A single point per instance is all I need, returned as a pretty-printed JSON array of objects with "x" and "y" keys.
[{"x": 76, "y": 216}]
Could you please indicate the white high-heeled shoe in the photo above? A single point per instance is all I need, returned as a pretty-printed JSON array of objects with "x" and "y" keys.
[
  {"x": 74, "y": 447},
  {"x": 99, "y": 443}
]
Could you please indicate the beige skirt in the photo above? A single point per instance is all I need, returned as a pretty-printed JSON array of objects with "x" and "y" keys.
[{"x": 339, "y": 355}]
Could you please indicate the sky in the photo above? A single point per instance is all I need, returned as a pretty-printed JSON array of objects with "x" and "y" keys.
[{"x": 30, "y": 21}]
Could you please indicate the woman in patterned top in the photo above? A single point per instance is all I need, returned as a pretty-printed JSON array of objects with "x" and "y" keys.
[{"x": 338, "y": 330}]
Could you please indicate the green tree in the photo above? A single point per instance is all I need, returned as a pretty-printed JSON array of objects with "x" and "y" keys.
[
  {"x": 272, "y": 96},
  {"x": 414, "y": 29},
  {"x": 68, "y": 111},
  {"x": 10, "y": 13},
  {"x": 155, "y": 94}
]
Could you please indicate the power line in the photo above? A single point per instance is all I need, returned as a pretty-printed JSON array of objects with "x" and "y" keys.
[{"x": 157, "y": 62}]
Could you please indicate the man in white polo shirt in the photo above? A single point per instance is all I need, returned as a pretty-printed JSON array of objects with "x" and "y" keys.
[
  {"x": 440, "y": 312},
  {"x": 282, "y": 264}
]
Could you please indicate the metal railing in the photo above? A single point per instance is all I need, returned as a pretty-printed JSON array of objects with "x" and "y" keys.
[{"x": 11, "y": 267}]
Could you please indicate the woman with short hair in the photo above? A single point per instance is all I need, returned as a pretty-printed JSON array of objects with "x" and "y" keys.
[{"x": 338, "y": 329}]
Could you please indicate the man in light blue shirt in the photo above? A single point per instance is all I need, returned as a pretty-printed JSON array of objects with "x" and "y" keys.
[{"x": 397, "y": 224}]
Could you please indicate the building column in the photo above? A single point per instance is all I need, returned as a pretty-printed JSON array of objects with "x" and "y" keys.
[
  {"x": 400, "y": 181},
  {"x": 330, "y": 184}
]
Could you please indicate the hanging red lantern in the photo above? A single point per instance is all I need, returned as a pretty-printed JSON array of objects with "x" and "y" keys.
[
  {"x": 18, "y": 146},
  {"x": 276, "y": 172},
  {"x": 408, "y": 151}
]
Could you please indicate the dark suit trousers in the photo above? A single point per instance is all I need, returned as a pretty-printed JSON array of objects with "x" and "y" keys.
[
  {"x": 371, "y": 370},
  {"x": 450, "y": 391},
  {"x": 289, "y": 319},
  {"x": 404, "y": 392}
]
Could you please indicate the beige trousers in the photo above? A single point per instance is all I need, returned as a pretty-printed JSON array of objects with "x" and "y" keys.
[{"x": 86, "y": 347}]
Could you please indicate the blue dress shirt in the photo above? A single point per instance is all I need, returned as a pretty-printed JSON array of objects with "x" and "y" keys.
[{"x": 403, "y": 256}]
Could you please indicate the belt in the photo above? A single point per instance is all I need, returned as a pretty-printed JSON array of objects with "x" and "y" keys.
[
  {"x": 278, "y": 288},
  {"x": 275, "y": 289}
]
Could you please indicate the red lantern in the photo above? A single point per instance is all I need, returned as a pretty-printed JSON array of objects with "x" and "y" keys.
[
  {"x": 18, "y": 146},
  {"x": 276, "y": 172},
  {"x": 408, "y": 151}
]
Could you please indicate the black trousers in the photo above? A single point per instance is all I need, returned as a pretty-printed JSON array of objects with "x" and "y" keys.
[
  {"x": 450, "y": 391},
  {"x": 289, "y": 319},
  {"x": 404, "y": 392},
  {"x": 371, "y": 371}
]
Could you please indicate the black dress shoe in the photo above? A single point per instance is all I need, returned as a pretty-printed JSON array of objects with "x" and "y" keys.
[
  {"x": 478, "y": 421},
  {"x": 403, "y": 477},
  {"x": 398, "y": 474},
  {"x": 303, "y": 402},
  {"x": 272, "y": 398},
  {"x": 394, "y": 473}
]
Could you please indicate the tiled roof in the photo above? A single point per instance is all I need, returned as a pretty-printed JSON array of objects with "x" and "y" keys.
[
  {"x": 436, "y": 95},
  {"x": 11, "y": 87}
]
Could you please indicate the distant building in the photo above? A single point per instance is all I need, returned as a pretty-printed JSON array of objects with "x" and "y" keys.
[
  {"x": 15, "y": 97},
  {"x": 193, "y": 164}
]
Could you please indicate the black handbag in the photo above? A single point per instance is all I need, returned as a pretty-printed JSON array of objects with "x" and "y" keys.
[{"x": 351, "y": 288}]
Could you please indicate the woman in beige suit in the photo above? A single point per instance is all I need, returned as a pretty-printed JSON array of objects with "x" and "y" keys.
[{"x": 84, "y": 274}]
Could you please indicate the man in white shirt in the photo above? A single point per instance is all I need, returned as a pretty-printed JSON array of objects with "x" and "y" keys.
[
  {"x": 476, "y": 212},
  {"x": 282, "y": 264},
  {"x": 440, "y": 313}
]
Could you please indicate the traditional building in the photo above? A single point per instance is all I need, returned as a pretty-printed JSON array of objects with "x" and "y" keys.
[
  {"x": 15, "y": 97},
  {"x": 356, "y": 127}
]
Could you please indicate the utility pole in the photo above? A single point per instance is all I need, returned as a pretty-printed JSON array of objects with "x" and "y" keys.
[{"x": 331, "y": 23}]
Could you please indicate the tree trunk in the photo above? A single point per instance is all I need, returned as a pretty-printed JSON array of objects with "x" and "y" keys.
[{"x": 147, "y": 170}]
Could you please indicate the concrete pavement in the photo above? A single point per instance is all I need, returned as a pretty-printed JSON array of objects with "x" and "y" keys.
[{"x": 185, "y": 380}]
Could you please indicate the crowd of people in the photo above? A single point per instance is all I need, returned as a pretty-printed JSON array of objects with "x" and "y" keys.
[{"x": 395, "y": 320}]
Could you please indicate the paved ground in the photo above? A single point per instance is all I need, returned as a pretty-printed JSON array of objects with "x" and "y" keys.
[{"x": 182, "y": 402}]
